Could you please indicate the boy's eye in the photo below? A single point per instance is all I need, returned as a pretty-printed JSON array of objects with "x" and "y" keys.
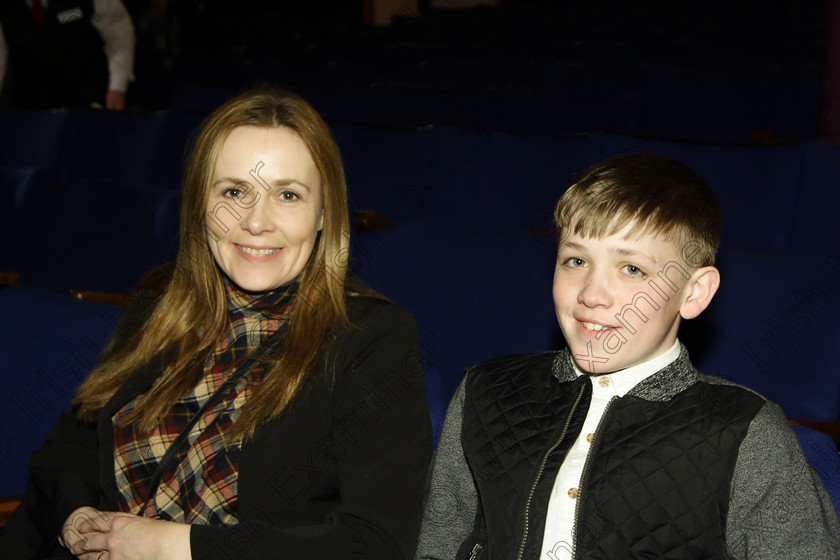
[
  {"x": 633, "y": 270},
  {"x": 575, "y": 262}
]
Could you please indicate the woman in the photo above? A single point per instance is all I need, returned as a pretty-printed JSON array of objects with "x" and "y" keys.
[{"x": 252, "y": 404}]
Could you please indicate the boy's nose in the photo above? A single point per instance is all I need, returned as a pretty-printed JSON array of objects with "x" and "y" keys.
[{"x": 595, "y": 292}]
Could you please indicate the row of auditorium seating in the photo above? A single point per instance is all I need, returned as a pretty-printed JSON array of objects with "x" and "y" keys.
[
  {"x": 786, "y": 184},
  {"x": 659, "y": 101},
  {"x": 70, "y": 145},
  {"x": 468, "y": 304},
  {"x": 102, "y": 194},
  {"x": 675, "y": 70},
  {"x": 89, "y": 235},
  {"x": 697, "y": 105},
  {"x": 478, "y": 292},
  {"x": 49, "y": 343}
]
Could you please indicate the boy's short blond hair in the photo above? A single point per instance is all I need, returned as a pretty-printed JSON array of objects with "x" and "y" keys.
[{"x": 654, "y": 194}]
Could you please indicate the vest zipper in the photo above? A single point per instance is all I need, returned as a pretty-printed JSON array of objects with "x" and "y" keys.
[
  {"x": 585, "y": 471},
  {"x": 542, "y": 468},
  {"x": 476, "y": 550}
]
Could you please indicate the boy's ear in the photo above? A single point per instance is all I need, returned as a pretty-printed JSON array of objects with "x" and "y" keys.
[{"x": 700, "y": 290}]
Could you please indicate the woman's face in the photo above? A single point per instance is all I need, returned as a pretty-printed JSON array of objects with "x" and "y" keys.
[{"x": 265, "y": 207}]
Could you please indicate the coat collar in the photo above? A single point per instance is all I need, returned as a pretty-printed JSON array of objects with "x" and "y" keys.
[{"x": 661, "y": 386}]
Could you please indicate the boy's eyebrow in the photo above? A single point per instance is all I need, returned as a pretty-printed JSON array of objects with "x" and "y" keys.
[
  {"x": 571, "y": 245},
  {"x": 620, "y": 251},
  {"x": 631, "y": 253}
]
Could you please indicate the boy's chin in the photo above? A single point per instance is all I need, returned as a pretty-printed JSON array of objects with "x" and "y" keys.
[
  {"x": 588, "y": 370},
  {"x": 591, "y": 362}
]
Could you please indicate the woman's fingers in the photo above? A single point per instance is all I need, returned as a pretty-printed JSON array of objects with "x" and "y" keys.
[
  {"x": 85, "y": 532},
  {"x": 85, "y": 520},
  {"x": 90, "y": 546}
]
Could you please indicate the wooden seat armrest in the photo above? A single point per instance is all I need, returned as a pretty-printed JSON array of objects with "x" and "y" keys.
[
  {"x": 8, "y": 504},
  {"x": 120, "y": 300}
]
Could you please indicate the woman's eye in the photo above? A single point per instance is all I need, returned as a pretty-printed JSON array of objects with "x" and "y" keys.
[
  {"x": 233, "y": 192},
  {"x": 288, "y": 196}
]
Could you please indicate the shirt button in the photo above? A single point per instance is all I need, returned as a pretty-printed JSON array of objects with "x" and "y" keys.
[
  {"x": 604, "y": 382},
  {"x": 573, "y": 493},
  {"x": 589, "y": 438}
]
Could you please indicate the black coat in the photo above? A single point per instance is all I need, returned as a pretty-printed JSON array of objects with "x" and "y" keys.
[{"x": 339, "y": 475}]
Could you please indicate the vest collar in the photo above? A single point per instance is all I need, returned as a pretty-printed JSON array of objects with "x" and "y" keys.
[{"x": 661, "y": 386}]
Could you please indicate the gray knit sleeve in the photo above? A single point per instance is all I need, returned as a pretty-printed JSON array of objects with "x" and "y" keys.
[
  {"x": 778, "y": 507},
  {"x": 451, "y": 499}
]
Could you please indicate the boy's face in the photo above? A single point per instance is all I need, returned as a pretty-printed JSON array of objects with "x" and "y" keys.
[{"x": 615, "y": 308}]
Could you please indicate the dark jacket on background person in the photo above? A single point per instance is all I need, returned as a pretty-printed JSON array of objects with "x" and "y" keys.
[{"x": 58, "y": 63}]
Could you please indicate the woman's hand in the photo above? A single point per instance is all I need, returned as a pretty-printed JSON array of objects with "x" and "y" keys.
[
  {"x": 77, "y": 528},
  {"x": 91, "y": 534}
]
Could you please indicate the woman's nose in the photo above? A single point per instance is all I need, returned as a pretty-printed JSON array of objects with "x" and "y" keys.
[{"x": 256, "y": 219}]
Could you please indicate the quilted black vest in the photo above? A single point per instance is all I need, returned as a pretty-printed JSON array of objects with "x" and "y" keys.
[
  {"x": 656, "y": 483},
  {"x": 60, "y": 62}
]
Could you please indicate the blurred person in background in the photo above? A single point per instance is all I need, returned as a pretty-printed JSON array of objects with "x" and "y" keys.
[{"x": 62, "y": 53}]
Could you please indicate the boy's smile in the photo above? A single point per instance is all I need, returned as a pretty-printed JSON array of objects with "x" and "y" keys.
[{"x": 618, "y": 300}]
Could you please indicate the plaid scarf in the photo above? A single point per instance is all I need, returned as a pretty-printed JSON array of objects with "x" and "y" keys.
[{"x": 197, "y": 482}]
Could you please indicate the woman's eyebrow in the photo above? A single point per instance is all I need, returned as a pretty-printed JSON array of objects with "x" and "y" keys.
[
  {"x": 277, "y": 183},
  {"x": 228, "y": 180},
  {"x": 287, "y": 182}
]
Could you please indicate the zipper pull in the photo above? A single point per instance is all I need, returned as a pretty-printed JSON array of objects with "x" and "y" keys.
[{"x": 476, "y": 550}]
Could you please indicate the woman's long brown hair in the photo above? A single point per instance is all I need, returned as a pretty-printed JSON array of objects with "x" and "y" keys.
[{"x": 189, "y": 319}]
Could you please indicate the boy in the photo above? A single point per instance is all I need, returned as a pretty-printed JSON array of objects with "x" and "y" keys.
[{"x": 616, "y": 447}]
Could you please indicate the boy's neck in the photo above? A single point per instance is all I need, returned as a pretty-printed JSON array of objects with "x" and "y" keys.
[{"x": 633, "y": 375}]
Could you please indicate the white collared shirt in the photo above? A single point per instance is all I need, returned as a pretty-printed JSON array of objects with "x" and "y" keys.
[{"x": 560, "y": 518}]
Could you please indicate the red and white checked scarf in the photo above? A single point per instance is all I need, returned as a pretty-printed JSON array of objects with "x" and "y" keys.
[{"x": 200, "y": 485}]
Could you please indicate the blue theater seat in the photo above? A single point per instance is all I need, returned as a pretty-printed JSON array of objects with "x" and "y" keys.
[
  {"x": 822, "y": 455},
  {"x": 49, "y": 343},
  {"x": 15, "y": 183},
  {"x": 32, "y": 139},
  {"x": 110, "y": 146},
  {"x": 91, "y": 236},
  {"x": 770, "y": 327},
  {"x": 200, "y": 98},
  {"x": 459, "y": 176},
  {"x": 171, "y": 150},
  {"x": 815, "y": 230},
  {"x": 726, "y": 104},
  {"x": 756, "y": 186},
  {"x": 476, "y": 293}
]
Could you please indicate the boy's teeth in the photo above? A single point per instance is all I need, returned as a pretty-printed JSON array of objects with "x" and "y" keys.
[
  {"x": 593, "y": 326},
  {"x": 257, "y": 252}
]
